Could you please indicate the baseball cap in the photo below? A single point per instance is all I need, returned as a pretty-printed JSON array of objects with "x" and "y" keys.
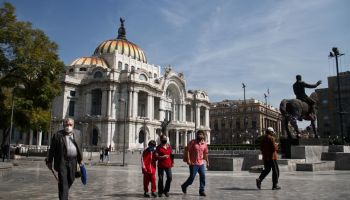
[{"x": 270, "y": 129}]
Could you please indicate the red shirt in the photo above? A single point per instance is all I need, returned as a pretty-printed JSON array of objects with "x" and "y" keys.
[
  {"x": 197, "y": 151},
  {"x": 164, "y": 163},
  {"x": 148, "y": 162}
]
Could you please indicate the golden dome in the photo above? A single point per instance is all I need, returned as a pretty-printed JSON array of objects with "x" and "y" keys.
[{"x": 122, "y": 47}]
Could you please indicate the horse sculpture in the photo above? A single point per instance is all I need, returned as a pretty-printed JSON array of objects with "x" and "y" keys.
[{"x": 295, "y": 109}]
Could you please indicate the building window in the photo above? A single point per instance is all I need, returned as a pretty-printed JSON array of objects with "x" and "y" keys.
[
  {"x": 143, "y": 77},
  {"x": 71, "y": 70},
  {"x": 71, "y": 108},
  {"x": 155, "y": 75},
  {"x": 120, "y": 65},
  {"x": 83, "y": 69},
  {"x": 126, "y": 66},
  {"x": 72, "y": 93},
  {"x": 223, "y": 124},
  {"x": 238, "y": 124},
  {"x": 98, "y": 74},
  {"x": 96, "y": 102}
]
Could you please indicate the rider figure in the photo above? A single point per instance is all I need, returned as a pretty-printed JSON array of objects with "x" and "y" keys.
[{"x": 299, "y": 91}]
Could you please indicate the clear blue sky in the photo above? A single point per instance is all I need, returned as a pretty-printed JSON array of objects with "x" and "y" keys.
[{"x": 217, "y": 44}]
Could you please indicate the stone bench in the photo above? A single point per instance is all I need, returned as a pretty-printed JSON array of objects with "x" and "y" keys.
[
  {"x": 316, "y": 166},
  {"x": 225, "y": 163}
]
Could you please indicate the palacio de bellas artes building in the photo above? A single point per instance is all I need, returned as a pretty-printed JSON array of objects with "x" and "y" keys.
[{"x": 117, "y": 90}]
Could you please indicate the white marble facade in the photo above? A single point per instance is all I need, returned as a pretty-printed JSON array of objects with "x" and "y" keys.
[{"x": 97, "y": 89}]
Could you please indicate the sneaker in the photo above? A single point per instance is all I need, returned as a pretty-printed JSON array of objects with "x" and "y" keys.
[
  {"x": 183, "y": 189},
  {"x": 276, "y": 187},
  {"x": 258, "y": 183},
  {"x": 166, "y": 194},
  {"x": 202, "y": 194},
  {"x": 153, "y": 194},
  {"x": 146, "y": 195}
]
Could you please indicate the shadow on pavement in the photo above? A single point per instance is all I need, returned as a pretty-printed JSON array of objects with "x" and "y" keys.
[{"x": 236, "y": 188}]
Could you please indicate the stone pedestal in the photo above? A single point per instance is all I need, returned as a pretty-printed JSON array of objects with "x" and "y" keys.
[{"x": 286, "y": 144}]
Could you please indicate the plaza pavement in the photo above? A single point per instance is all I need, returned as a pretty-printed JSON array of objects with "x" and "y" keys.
[{"x": 30, "y": 179}]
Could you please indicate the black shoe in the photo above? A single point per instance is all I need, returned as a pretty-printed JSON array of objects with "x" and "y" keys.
[
  {"x": 202, "y": 194},
  {"x": 276, "y": 187},
  {"x": 183, "y": 189},
  {"x": 146, "y": 195},
  {"x": 166, "y": 194},
  {"x": 258, "y": 183},
  {"x": 160, "y": 194},
  {"x": 153, "y": 194}
]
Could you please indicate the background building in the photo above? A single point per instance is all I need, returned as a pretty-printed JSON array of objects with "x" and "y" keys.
[
  {"x": 227, "y": 121},
  {"x": 328, "y": 111},
  {"x": 117, "y": 90}
]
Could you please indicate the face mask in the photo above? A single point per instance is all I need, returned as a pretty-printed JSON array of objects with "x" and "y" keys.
[
  {"x": 68, "y": 129},
  {"x": 151, "y": 148},
  {"x": 164, "y": 141}
]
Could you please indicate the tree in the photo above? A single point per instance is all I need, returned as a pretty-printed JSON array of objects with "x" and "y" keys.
[{"x": 28, "y": 58}]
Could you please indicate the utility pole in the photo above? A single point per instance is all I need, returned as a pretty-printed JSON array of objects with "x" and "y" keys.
[{"x": 335, "y": 53}]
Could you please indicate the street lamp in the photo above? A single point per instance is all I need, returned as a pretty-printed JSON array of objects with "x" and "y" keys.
[
  {"x": 11, "y": 120},
  {"x": 336, "y": 54},
  {"x": 125, "y": 110}
]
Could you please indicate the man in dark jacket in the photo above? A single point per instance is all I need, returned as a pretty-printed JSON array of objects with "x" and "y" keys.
[
  {"x": 65, "y": 154},
  {"x": 269, "y": 149},
  {"x": 299, "y": 91}
]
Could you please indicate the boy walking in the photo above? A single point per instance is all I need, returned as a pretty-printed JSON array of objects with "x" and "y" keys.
[{"x": 148, "y": 163}]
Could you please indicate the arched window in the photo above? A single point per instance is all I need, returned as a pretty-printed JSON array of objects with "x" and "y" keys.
[
  {"x": 71, "y": 70},
  {"x": 83, "y": 69},
  {"x": 98, "y": 74},
  {"x": 120, "y": 65},
  {"x": 143, "y": 77},
  {"x": 155, "y": 75}
]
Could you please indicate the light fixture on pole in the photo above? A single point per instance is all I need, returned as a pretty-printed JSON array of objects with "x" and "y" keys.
[
  {"x": 335, "y": 53},
  {"x": 125, "y": 110}
]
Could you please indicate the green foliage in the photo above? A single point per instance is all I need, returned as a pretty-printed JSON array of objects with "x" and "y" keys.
[{"x": 28, "y": 58}]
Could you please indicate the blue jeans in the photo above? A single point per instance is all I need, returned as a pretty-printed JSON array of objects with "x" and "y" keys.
[{"x": 193, "y": 171}]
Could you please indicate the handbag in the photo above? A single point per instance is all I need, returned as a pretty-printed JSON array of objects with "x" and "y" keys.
[{"x": 78, "y": 172}]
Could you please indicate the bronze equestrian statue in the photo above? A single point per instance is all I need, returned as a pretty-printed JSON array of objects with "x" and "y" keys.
[{"x": 301, "y": 108}]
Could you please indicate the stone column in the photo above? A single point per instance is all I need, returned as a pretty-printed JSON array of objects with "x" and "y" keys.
[
  {"x": 39, "y": 138},
  {"x": 185, "y": 138},
  {"x": 109, "y": 103},
  {"x": 104, "y": 103},
  {"x": 198, "y": 114},
  {"x": 208, "y": 137},
  {"x": 177, "y": 140},
  {"x": 130, "y": 103},
  {"x": 113, "y": 104},
  {"x": 31, "y": 137},
  {"x": 207, "y": 118},
  {"x": 149, "y": 107},
  {"x": 184, "y": 112},
  {"x": 135, "y": 104}
]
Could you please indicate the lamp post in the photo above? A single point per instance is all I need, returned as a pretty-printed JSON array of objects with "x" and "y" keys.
[
  {"x": 245, "y": 108},
  {"x": 335, "y": 53},
  {"x": 11, "y": 119},
  {"x": 125, "y": 110}
]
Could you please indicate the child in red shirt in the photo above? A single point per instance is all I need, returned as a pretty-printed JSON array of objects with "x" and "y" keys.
[{"x": 148, "y": 163}]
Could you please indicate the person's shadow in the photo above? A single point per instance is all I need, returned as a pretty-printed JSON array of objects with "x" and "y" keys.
[{"x": 241, "y": 189}]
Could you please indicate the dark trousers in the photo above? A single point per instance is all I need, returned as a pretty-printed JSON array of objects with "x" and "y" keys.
[
  {"x": 268, "y": 165},
  {"x": 193, "y": 171},
  {"x": 66, "y": 177},
  {"x": 169, "y": 178}
]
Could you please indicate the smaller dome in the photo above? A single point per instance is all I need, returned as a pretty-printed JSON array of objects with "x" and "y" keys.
[{"x": 90, "y": 61}]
